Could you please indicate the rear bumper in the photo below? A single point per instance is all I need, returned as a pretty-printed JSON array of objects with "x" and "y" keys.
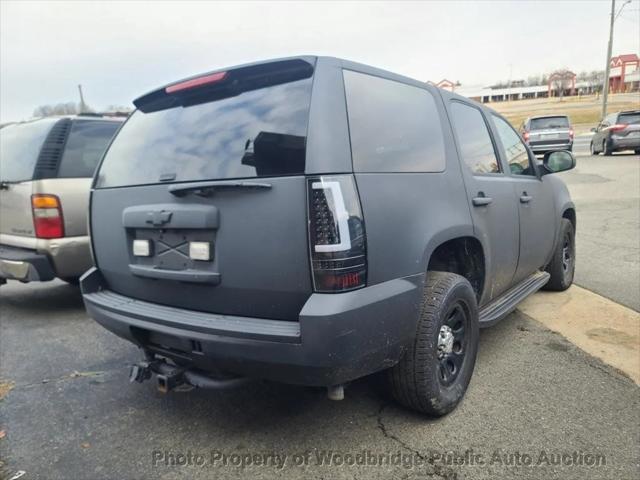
[
  {"x": 68, "y": 257},
  {"x": 24, "y": 265},
  {"x": 550, "y": 147},
  {"x": 622, "y": 143},
  {"x": 338, "y": 338}
]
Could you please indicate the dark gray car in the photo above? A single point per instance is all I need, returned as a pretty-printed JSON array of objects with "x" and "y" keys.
[
  {"x": 616, "y": 132},
  {"x": 312, "y": 221}
]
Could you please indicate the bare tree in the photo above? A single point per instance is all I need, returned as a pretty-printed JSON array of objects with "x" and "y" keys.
[
  {"x": 63, "y": 108},
  {"x": 561, "y": 80}
]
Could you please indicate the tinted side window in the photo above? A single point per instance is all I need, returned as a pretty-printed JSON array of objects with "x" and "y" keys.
[
  {"x": 394, "y": 127},
  {"x": 516, "y": 152},
  {"x": 476, "y": 148},
  {"x": 86, "y": 143},
  {"x": 20, "y": 146}
]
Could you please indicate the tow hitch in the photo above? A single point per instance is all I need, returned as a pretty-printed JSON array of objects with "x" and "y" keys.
[{"x": 169, "y": 376}]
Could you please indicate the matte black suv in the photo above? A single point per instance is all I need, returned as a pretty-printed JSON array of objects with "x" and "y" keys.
[
  {"x": 617, "y": 131},
  {"x": 311, "y": 221}
]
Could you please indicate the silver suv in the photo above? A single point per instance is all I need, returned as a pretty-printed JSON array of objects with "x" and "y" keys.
[
  {"x": 548, "y": 133},
  {"x": 46, "y": 167}
]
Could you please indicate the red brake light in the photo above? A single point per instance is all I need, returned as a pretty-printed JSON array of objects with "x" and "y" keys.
[
  {"x": 571, "y": 133},
  {"x": 337, "y": 239},
  {"x": 525, "y": 135},
  {"x": 196, "y": 82},
  {"x": 47, "y": 216},
  {"x": 617, "y": 127}
]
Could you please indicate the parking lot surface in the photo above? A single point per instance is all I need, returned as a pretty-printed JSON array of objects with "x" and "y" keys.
[{"x": 537, "y": 406}]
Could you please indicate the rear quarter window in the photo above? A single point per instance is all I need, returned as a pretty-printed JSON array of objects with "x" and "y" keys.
[
  {"x": 85, "y": 146},
  {"x": 20, "y": 146},
  {"x": 394, "y": 127}
]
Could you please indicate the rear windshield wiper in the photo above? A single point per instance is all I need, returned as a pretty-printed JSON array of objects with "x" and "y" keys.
[{"x": 205, "y": 189}]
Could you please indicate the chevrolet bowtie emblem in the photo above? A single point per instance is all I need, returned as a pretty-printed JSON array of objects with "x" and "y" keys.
[{"x": 159, "y": 217}]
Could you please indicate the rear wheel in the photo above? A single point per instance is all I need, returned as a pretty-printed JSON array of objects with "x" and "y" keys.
[
  {"x": 637, "y": 151},
  {"x": 592, "y": 149},
  {"x": 563, "y": 263},
  {"x": 433, "y": 375},
  {"x": 606, "y": 148}
]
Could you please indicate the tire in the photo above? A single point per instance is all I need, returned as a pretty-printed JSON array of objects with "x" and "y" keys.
[
  {"x": 637, "y": 151},
  {"x": 75, "y": 281},
  {"x": 606, "y": 148},
  {"x": 563, "y": 263},
  {"x": 592, "y": 149},
  {"x": 418, "y": 381}
]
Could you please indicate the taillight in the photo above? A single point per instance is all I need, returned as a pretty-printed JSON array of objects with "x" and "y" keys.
[
  {"x": 525, "y": 135},
  {"x": 617, "y": 127},
  {"x": 337, "y": 239},
  {"x": 571, "y": 133},
  {"x": 47, "y": 216}
]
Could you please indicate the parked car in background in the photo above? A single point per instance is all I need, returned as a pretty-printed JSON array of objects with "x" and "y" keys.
[
  {"x": 547, "y": 133},
  {"x": 46, "y": 167},
  {"x": 618, "y": 131},
  {"x": 312, "y": 221}
]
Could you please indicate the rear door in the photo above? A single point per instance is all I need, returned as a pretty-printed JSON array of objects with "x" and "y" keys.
[
  {"x": 535, "y": 201},
  {"x": 20, "y": 146},
  {"x": 490, "y": 195},
  {"x": 200, "y": 202}
]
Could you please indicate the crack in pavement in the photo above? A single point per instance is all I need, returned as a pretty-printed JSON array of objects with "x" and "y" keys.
[{"x": 438, "y": 470}]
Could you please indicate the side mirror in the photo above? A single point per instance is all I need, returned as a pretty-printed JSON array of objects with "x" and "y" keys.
[
  {"x": 594, "y": 129},
  {"x": 559, "y": 161}
]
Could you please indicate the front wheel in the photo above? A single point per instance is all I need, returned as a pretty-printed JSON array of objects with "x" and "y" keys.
[
  {"x": 433, "y": 375},
  {"x": 563, "y": 263}
]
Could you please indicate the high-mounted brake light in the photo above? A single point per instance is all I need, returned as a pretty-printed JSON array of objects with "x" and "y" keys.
[
  {"x": 47, "y": 216},
  {"x": 337, "y": 238},
  {"x": 196, "y": 82}
]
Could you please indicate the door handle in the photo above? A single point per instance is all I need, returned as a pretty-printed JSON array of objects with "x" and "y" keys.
[
  {"x": 524, "y": 198},
  {"x": 481, "y": 200}
]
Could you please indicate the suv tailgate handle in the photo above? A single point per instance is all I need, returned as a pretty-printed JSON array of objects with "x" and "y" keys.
[
  {"x": 193, "y": 276},
  {"x": 205, "y": 189}
]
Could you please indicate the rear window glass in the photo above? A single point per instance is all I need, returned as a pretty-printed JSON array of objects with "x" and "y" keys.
[
  {"x": 629, "y": 118},
  {"x": 549, "y": 122},
  {"x": 394, "y": 127},
  {"x": 20, "y": 146},
  {"x": 258, "y": 133},
  {"x": 86, "y": 143}
]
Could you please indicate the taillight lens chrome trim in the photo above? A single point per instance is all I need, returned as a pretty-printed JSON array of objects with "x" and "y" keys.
[{"x": 337, "y": 239}]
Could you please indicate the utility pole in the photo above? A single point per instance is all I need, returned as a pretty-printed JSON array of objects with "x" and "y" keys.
[
  {"x": 605, "y": 85},
  {"x": 83, "y": 106}
]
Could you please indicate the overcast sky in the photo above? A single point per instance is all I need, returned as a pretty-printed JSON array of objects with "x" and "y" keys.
[{"x": 118, "y": 50}]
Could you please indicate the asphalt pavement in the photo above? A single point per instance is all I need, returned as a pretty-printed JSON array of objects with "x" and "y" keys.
[
  {"x": 606, "y": 192},
  {"x": 537, "y": 407}
]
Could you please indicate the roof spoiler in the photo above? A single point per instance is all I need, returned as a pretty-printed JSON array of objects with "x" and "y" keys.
[{"x": 223, "y": 84}]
